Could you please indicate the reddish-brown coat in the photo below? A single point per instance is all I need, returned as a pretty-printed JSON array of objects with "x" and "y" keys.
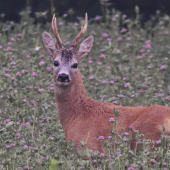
[{"x": 80, "y": 116}]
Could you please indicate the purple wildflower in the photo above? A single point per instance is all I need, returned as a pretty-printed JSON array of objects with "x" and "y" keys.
[
  {"x": 19, "y": 34},
  {"x": 131, "y": 168},
  {"x": 12, "y": 39},
  {"x": 147, "y": 45},
  {"x": 34, "y": 74},
  {"x": 98, "y": 18},
  {"x": 35, "y": 148},
  {"x": 123, "y": 30},
  {"x": 60, "y": 23},
  {"x": 25, "y": 147},
  {"x": 167, "y": 98},
  {"x": 127, "y": 85},
  {"x": 29, "y": 147},
  {"x": 125, "y": 139},
  {"x": 153, "y": 161},
  {"x": 113, "y": 98},
  {"x": 18, "y": 74},
  {"x": 111, "y": 120},
  {"x": 7, "y": 75},
  {"x": 104, "y": 81},
  {"x": 127, "y": 20},
  {"x": 158, "y": 141},
  {"x": 102, "y": 154},
  {"x": 159, "y": 95},
  {"x": 128, "y": 38},
  {"x": 102, "y": 56},
  {"x": 126, "y": 133},
  {"x": 18, "y": 135},
  {"x": 163, "y": 67},
  {"x": 102, "y": 50},
  {"x": 9, "y": 48},
  {"x": 24, "y": 125},
  {"x": 105, "y": 35},
  {"x": 109, "y": 39},
  {"x": 48, "y": 68},
  {"x": 101, "y": 137},
  {"x": 41, "y": 63},
  {"x": 120, "y": 38},
  {"x": 131, "y": 152},
  {"x": 139, "y": 142},
  {"x": 131, "y": 128},
  {"x": 7, "y": 120},
  {"x": 91, "y": 77},
  {"x": 13, "y": 144},
  {"x": 121, "y": 96},
  {"x": 13, "y": 63},
  {"x": 139, "y": 57},
  {"x": 24, "y": 100}
]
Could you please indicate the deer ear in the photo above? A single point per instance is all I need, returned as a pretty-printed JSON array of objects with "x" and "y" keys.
[
  {"x": 49, "y": 43},
  {"x": 85, "y": 47}
]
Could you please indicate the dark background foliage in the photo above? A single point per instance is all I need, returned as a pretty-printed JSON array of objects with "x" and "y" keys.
[{"x": 11, "y": 8}]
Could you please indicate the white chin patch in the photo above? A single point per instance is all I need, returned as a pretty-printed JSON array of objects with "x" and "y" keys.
[{"x": 63, "y": 83}]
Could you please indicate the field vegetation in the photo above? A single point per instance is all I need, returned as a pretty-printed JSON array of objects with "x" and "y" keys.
[{"x": 129, "y": 65}]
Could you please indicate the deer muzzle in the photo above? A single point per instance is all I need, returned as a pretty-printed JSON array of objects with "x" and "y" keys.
[{"x": 63, "y": 78}]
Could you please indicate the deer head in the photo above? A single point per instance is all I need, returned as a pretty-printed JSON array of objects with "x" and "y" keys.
[{"x": 66, "y": 61}]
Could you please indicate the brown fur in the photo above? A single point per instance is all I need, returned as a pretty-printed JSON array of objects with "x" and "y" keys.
[{"x": 80, "y": 115}]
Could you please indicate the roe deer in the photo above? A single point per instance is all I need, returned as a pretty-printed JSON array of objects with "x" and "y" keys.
[{"x": 82, "y": 117}]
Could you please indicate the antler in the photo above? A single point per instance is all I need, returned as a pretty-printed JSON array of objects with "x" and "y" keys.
[
  {"x": 55, "y": 31},
  {"x": 83, "y": 30}
]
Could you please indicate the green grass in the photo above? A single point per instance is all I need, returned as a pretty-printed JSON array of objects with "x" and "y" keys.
[{"x": 128, "y": 65}]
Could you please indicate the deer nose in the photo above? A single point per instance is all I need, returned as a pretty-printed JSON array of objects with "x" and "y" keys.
[{"x": 63, "y": 77}]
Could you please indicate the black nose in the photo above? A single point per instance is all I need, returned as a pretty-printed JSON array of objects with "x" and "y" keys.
[{"x": 63, "y": 77}]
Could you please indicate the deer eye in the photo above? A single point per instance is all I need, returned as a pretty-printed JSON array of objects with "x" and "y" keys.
[
  {"x": 56, "y": 63},
  {"x": 74, "y": 65}
]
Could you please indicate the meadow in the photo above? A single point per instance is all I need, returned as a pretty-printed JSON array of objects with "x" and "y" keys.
[{"x": 128, "y": 66}]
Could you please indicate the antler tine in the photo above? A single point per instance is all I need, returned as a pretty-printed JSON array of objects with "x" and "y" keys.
[
  {"x": 83, "y": 30},
  {"x": 55, "y": 31}
]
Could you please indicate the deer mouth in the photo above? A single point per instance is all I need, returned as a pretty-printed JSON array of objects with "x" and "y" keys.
[{"x": 65, "y": 83}]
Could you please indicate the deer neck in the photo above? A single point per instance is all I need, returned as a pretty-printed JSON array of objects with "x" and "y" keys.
[{"x": 68, "y": 98}]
